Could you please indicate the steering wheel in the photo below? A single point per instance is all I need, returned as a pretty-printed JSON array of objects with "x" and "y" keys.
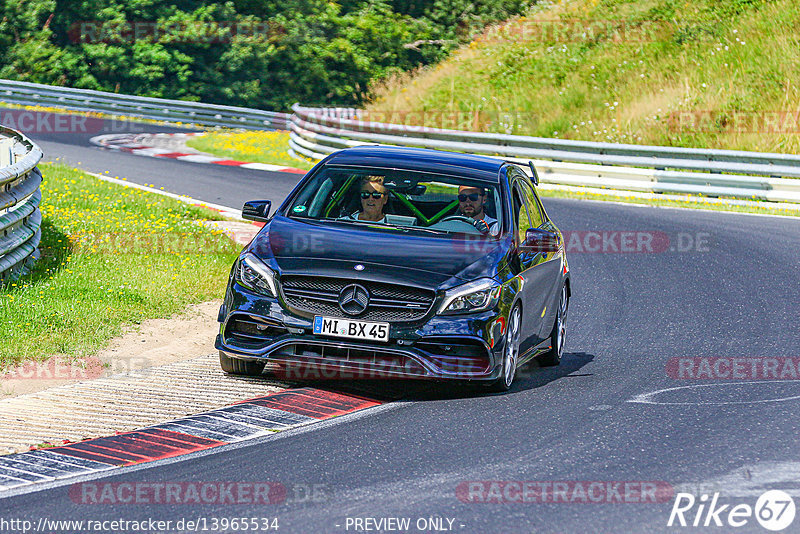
[{"x": 467, "y": 220}]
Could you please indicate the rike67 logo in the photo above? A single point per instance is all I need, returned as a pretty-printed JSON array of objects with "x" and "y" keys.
[{"x": 774, "y": 510}]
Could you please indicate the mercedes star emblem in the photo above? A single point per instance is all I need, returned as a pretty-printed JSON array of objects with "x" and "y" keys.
[{"x": 353, "y": 299}]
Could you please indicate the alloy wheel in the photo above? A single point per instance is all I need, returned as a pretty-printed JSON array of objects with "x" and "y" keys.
[
  {"x": 512, "y": 347},
  {"x": 562, "y": 320}
]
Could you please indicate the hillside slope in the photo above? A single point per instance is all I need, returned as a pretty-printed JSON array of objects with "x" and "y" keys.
[{"x": 711, "y": 73}]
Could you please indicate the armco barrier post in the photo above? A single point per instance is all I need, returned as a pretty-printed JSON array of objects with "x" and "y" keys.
[
  {"x": 20, "y": 195},
  {"x": 6, "y": 152}
]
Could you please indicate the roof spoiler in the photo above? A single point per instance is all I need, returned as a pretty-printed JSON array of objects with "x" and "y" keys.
[{"x": 535, "y": 175}]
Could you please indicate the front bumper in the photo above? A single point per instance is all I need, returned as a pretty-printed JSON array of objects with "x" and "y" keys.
[
  {"x": 311, "y": 357},
  {"x": 456, "y": 347}
]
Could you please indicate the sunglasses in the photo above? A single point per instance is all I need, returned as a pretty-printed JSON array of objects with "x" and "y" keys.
[
  {"x": 473, "y": 197},
  {"x": 373, "y": 194}
]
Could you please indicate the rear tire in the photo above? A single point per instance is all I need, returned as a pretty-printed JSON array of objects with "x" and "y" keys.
[
  {"x": 558, "y": 335},
  {"x": 234, "y": 366},
  {"x": 508, "y": 370}
]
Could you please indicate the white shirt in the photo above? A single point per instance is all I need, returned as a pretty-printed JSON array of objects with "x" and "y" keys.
[{"x": 354, "y": 217}]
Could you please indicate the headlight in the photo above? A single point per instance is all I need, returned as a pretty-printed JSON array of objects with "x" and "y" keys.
[
  {"x": 253, "y": 274},
  {"x": 475, "y": 296}
]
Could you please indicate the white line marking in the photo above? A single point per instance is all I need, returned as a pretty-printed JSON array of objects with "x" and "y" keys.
[
  {"x": 262, "y": 166},
  {"x": 18, "y": 470},
  {"x": 197, "y": 430},
  {"x": 253, "y": 427},
  {"x": 66, "y": 459},
  {"x": 150, "y": 151},
  {"x": 198, "y": 159},
  {"x": 226, "y": 211},
  {"x": 647, "y": 398},
  {"x": 21, "y": 480},
  {"x": 237, "y": 445}
]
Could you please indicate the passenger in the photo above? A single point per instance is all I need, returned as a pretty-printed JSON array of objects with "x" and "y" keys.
[
  {"x": 373, "y": 199},
  {"x": 470, "y": 203}
]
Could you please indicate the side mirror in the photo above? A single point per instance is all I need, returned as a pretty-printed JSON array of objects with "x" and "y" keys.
[
  {"x": 534, "y": 174},
  {"x": 256, "y": 210},
  {"x": 537, "y": 240}
]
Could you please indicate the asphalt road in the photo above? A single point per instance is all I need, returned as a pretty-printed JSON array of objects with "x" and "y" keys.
[
  {"x": 218, "y": 184},
  {"x": 603, "y": 415}
]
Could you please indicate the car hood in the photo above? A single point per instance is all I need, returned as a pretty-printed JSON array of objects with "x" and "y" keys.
[{"x": 335, "y": 249}]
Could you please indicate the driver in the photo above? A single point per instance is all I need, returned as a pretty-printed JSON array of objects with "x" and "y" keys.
[{"x": 470, "y": 204}]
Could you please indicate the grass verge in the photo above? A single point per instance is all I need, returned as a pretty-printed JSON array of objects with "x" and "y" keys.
[
  {"x": 252, "y": 146},
  {"x": 708, "y": 74},
  {"x": 111, "y": 256}
]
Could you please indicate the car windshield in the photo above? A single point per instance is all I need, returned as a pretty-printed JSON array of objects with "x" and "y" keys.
[{"x": 401, "y": 198}]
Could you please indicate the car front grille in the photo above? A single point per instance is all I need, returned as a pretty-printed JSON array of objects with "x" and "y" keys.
[{"x": 388, "y": 302}]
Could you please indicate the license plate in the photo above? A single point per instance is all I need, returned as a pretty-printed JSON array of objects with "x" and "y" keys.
[{"x": 337, "y": 327}]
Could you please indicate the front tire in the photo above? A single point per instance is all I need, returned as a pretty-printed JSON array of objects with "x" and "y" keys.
[
  {"x": 510, "y": 352},
  {"x": 234, "y": 366},
  {"x": 558, "y": 335}
]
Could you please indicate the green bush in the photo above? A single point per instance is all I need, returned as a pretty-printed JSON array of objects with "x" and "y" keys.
[{"x": 313, "y": 51}]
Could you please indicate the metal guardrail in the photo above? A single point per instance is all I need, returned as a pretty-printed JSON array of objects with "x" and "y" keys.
[
  {"x": 34, "y": 94},
  {"x": 316, "y": 133},
  {"x": 20, "y": 218}
]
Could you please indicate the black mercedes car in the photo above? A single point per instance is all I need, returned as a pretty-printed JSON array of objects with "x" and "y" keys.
[{"x": 389, "y": 262}]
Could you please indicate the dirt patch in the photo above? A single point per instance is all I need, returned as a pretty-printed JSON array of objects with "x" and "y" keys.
[{"x": 152, "y": 343}]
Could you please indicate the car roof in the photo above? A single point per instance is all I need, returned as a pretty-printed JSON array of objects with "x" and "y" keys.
[{"x": 420, "y": 159}]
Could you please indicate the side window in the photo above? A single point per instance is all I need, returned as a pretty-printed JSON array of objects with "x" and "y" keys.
[
  {"x": 537, "y": 217},
  {"x": 541, "y": 207},
  {"x": 520, "y": 214}
]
